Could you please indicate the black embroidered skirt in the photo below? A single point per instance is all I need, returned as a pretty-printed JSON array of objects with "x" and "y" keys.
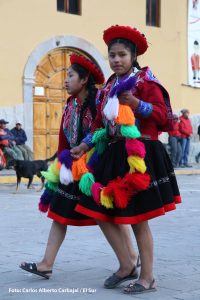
[
  {"x": 161, "y": 196},
  {"x": 62, "y": 207}
]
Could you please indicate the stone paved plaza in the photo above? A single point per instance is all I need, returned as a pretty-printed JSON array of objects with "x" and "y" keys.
[{"x": 86, "y": 259}]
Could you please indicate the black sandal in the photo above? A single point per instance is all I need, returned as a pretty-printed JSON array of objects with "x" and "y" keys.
[
  {"x": 32, "y": 268},
  {"x": 115, "y": 280},
  {"x": 137, "y": 288}
]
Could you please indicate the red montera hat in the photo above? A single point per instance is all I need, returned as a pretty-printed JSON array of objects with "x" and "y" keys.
[
  {"x": 129, "y": 33},
  {"x": 89, "y": 65}
]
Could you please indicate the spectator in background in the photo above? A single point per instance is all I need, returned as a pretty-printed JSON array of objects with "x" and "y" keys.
[
  {"x": 7, "y": 142},
  {"x": 175, "y": 143},
  {"x": 198, "y": 132},
  {"x": 198, "y": 155},
  {"x": 20, "y": 139},
  {"x": 185, "y": 128}
]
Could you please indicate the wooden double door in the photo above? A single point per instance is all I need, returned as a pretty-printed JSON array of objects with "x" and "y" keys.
[{"x": 49, "y": 97}]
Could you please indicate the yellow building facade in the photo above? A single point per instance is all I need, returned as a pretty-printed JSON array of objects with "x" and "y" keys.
[{"x": 34, "y": 32}]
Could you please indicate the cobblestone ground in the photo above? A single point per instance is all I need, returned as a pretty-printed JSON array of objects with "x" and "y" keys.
[{"x": 85, "y": 259}]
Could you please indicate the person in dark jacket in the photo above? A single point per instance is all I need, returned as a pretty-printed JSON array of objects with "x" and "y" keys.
[{"x": 21, "y": 138}]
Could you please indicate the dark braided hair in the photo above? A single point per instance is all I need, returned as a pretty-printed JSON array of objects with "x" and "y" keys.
[
  {"x": 128, "y": 45},
  {"x": 90, "y": 99}
]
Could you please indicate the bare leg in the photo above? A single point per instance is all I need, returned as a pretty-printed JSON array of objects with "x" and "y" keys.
[
  {"x": 145, "y": 245},
  {"x": 127, "y": 236},
  {"x": 119, "y": 238},
  {"x": 56, "y": 237}
]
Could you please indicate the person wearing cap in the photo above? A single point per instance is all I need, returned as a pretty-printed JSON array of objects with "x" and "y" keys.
[
  {"x": 7, "y": 142},
  {"x": 175, "y": 143},
  {"x": 77, "y": 119},
  {"x": 20, "y": 139},
  {"x": 123, "y": 161},
  {"x": 185, "y": 128}
]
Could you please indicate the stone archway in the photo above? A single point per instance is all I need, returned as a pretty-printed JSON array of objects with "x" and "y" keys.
[{"x": 55, "y": 43}]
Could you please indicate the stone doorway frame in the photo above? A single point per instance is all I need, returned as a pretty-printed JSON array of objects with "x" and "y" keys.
[{"x": 34, "y": 59}]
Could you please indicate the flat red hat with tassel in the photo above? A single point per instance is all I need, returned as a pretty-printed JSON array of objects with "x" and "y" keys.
[
  {"x": 129, "y": 33},
  {"x": 88, "y": 65}
]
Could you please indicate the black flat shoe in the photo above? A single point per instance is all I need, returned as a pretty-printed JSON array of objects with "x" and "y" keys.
[{"x": 32, "y": 268}]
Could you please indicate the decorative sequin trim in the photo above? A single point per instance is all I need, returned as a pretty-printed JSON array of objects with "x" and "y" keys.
[
  {"x": 67, "y": 195},
  {"x": 161, "y": 180}
]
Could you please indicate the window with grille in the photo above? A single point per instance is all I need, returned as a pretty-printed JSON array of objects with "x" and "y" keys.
[
  {"x": 69, "y": 6},
  {"x": 153, "y": 12}
]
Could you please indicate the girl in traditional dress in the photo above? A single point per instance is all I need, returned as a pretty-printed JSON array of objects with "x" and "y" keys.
[{"x": 129, "y": 157}]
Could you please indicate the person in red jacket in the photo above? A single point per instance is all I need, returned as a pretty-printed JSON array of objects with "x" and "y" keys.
[
  {"x": 175, "y": 143},
  {"x": 185, "y": 128},
  {"x": 114, "y": 198}
]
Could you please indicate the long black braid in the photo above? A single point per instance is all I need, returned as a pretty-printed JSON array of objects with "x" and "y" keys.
[
  {"x": 129, "y": 45},
  {"x": 89, "y": 100}
]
